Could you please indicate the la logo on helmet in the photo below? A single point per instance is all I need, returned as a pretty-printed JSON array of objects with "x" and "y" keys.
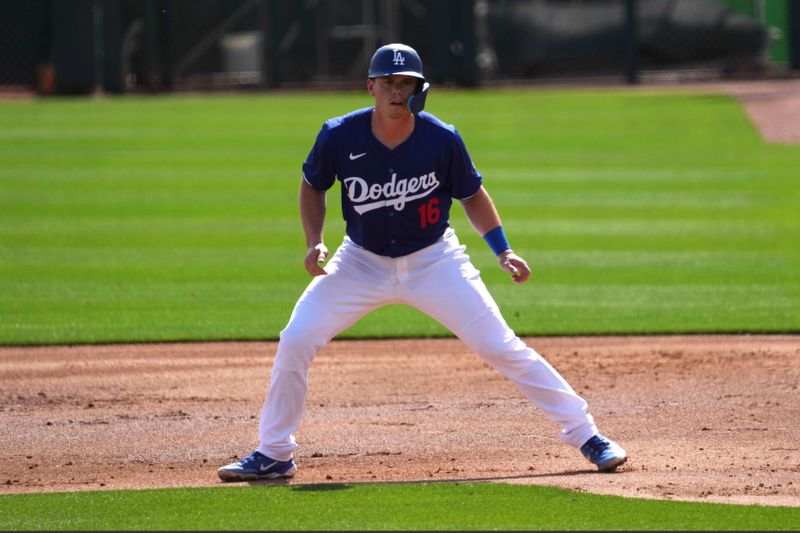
[{"x": 398, "y": 58}]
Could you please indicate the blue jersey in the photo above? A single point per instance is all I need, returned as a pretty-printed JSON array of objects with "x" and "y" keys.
[{"x": 394, "y": 202}]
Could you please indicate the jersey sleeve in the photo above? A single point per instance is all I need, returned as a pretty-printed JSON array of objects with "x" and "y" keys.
[
  {"x": 319, "y": 168},
  {"x": 465, "y": 180}
]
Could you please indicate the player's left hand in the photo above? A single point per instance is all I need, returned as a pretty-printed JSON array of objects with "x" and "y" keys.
[{"x": 517, "y": 266}]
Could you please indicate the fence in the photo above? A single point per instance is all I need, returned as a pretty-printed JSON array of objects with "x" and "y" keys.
[{"x": 81, "y": 46}]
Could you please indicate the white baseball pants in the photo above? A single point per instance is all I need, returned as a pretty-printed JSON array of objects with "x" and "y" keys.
[{"x": 438, "y": 280}]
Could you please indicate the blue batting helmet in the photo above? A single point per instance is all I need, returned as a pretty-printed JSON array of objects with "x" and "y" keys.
[{"x": 401, "y": 60}]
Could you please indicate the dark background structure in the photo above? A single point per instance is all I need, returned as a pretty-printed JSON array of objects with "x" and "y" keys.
[{"x": 116, "y": 46}]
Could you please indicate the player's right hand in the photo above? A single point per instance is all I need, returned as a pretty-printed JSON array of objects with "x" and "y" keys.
[{"x": 316, "y": 256}]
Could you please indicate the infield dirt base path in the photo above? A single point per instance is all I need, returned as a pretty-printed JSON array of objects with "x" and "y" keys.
[{"x": 710, "y": 418}]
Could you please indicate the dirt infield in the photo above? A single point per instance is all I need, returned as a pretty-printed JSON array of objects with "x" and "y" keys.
[{"x": 710, "y": 418}]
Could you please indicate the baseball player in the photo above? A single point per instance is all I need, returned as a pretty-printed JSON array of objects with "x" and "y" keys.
[{"x": 400, "y": 170}]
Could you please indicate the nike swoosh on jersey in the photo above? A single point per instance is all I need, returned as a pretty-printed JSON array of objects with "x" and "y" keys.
[{"x": 353, "y": 157}]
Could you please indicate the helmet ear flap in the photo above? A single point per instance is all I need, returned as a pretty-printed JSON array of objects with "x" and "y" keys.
[{"x": 417, "y": 102}]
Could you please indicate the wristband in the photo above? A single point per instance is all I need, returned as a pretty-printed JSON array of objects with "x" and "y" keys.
[{"x": 497, "y": 241}]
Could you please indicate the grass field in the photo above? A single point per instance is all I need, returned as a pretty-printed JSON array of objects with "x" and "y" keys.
[
  {"x": 439, "y": 506},
  {"x": 175, "y": 218}
]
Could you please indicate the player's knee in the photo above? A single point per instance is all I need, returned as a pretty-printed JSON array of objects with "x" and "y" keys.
[
  {"x": 509, "y": 357},
  {"x": 296, "y": 349},
  {"x": 497, "y": 347}
]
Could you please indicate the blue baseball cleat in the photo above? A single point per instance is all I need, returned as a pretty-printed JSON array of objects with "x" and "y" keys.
[
  {"x": 604, "y": 452},
  {"x": 257, "y": 466}
]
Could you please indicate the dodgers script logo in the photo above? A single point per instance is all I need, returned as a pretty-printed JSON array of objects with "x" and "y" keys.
[
  {"x": 398, "y": 58},
  {"x": 394, "y": 193}
]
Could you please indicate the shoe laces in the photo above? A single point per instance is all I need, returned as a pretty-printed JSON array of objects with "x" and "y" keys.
[
  {"x": 597, "y": 444},
  {"x": 252, "y": 458}
]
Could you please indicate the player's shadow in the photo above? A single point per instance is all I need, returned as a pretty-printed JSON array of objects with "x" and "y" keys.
[
  {"x": 329, "y": 487},
  {"x": 300, "y": 487},
  {"x": 322, "y": 487},
  {"x": 263, "y": 482},
  {"x": 510, "y": 478}
]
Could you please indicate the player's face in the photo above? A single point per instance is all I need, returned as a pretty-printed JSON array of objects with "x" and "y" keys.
[{"x": 392, "y": 93}]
